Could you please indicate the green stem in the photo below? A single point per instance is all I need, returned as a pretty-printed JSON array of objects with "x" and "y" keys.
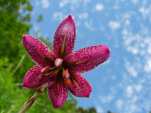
[
  {"x": 29, "y": 103},
  {"x": 19, "y": 63}
]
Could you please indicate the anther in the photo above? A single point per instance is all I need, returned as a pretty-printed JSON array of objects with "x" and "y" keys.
[
  {"x": 45, "y": 69},
  {"x": 66, "y": 77},
  {"x": 66, "y": 74}
]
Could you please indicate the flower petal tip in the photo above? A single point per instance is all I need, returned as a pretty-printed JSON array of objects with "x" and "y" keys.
[
  {"x": 26, "y": 38},
  {"x": 70, "y": 19},
  {"x": 87, "y": 95},
  {"x": 106, "y": 51},
  {"x": 25, "y": 35},
  {"x": 89, "y": 92},
  {"x": 57, "y": 105},
  {"x": 25, "y": 84}
]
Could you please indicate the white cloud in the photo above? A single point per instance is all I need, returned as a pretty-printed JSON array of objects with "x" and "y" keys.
[
  {"x": 89, "y": 25},
  {"x": 135, "y": 43},
  {"x": 147, "y": 66},
  {"x": 73, "y": 3},
  {"x": 45, "y": 3},
  {"x": 129, "y": 91},
  {"x": 133, "y": 50},
  {"x": 62, "y": 3},
  {"x": 83, "y": 15},
  {"x": 134, "y": 108},
  {"x": 99, "y": 109},
  {"x": 132, "y": 71},
  {"x": 135, "y": 2},
  {"x": 138, "y": 88},
  {"x": 144, "y": 10},
  {"x": 99, "y": 7},
  {"x": 149, "y": 49},
  {"x": 57, "y": 15},
  {"x": 119, "y": 104},
  {"x": 106, "y": 99},
  {"x": 114, "y": 25}
]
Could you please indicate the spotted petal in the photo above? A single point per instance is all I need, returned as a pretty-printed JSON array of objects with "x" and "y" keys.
[
  {"x": 87, "y": 58},
  {"x": 38, "y": 51},
  {"x": 33, "y": 78},
  {"x": 79, "y": 86},
  {"x": 64, "y": 37},
  {"x": 57, "y": 93}
]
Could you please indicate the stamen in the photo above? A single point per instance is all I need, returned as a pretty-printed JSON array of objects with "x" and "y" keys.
[
  {"x": 48, "y": 71},
  {"x": 45, "y": 69},
  {"x": 51, "y": 73},
  {"x": 66, "y": 74},
  {"x": 66, "y": 77},
  {"x": 58, "y": 62},
  {"x": 67, "y": 82},
  {"x": 63, "y": 46}
]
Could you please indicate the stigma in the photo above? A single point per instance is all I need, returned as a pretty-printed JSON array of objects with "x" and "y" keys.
[{"x": 58, "y": 62}]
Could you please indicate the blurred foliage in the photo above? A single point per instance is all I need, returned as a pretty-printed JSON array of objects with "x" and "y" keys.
[
  {"x": 14, "y": 62},
  {"x": 13, "y": 26}
]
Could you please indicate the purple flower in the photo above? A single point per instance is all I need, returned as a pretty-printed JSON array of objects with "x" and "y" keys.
[{"x": 60, "y": 69}]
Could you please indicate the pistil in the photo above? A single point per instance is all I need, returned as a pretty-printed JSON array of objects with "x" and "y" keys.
[
  {"x": 66, "y": 77},
  {"x": 58, "y": 62}
]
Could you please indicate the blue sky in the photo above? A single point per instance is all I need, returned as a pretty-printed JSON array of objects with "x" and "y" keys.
[{"x": 122, "y": 84}]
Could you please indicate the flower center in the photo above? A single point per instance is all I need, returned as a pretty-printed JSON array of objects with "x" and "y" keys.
[
  {"x": 58, "y": 62},
  {"x": 60, "y": 71}
]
